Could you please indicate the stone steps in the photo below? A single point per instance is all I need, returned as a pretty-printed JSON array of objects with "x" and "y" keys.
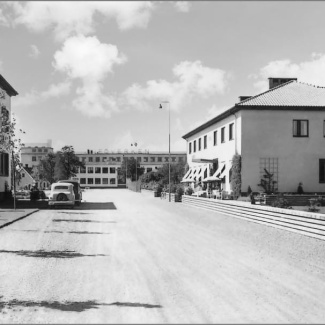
[{"x": 305, "y": 223}]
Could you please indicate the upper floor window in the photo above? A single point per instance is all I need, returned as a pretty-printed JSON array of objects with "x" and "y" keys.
[
  {"x": 45, "y": 150},
  {"x": 215, "y": 133},
  {"x": 39, "y": 150},
  {"x": 90, "y": 159},
  {"x": 33, "y": 150},
  {"x": 97, "y": 170},
  {"x": 159, "y": 159},
  {"x": 173, "y": 159},
  {"x": 97, "y": 159},
  {"x": 199, "y": 144},
  {"x": 90, "y": 170},
  {"x": 190, "y": 147},
  {"x": 194, "y": 146},
  {"x": 205, "y": 142},
  {"x": 4, "y": 164},
  {"x": 231, "y": 131},
  {"x": 180, "y": 159},
  {"x": 112, "y": 170},
  {"x": 300, "y": 128},
  {"x": 145, "y": 159},
  {"x": 223, "y": 135},
  {"x": 152, "y": 159},
  {"x": 139, "y": 159},
  {"x": 33, "y": 158}
]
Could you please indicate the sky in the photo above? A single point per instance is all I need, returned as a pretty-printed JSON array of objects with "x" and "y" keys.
[{"x": 92, "y": 74}]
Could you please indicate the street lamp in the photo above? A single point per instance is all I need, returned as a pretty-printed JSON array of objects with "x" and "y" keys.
[{"x": 160, "y": 106}]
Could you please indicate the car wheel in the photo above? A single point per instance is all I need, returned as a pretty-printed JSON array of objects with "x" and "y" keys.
[{"x": 62, "y": 197}]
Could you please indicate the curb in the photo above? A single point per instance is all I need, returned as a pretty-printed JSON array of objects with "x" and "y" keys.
[{"x": 20, "y": 218}]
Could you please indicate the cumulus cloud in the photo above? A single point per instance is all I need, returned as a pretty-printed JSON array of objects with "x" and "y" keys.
[
  {"x": 33, "y": 97},
  {"x": 68, "y": 18},
  {"x": 192, "y": 79},
  {"x": 88, "y": 60},
  {"x": 311, "y": 71},
  {"x": 34, "y": 51},
  {"x": 182, "y": 6}
]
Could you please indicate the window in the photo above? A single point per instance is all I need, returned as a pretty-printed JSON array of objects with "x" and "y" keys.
[
  {"x": 322, "y": 170},
  {"x": 118, "y": 159},
  {"x": 112, "y": 170},
  {"x": 194, "y": 146},
  {"x": 190, "y": 147},
  {"x": 90, "y": 170},
  {"x": 223, "y": 135},
  {"x": 145, "y": 159},
  {"x": 97, "y": 181},
  {"x": 83, "y": 159},
  {"x": 82, "y": 170},
  {"x": 231, "y": 131},
  {"x": 97, "y": 159},
  {"x": 112, "y": 181},
  {"x": 152, "y": 159},
  {"x": 180, "y": 159},
  {"x": 22, "y": 174},
  {"x": 300, "y": 128},
  {"x": 104, "y": 159},
  {"x": 33, "y": 158},
  {"x": 105, "y": 170},
  {"x": 97, "y": 170},
  {"x": 105, "y": 181},
  {"x": 33, "y": 150},
  {"x": 90, "y": 180},
  {"x": 4, "y": 164},
  {"x": 90, "y": 159},
  {"x": 166, "y": 159},
  {"x": 215, "y": 133},
  {"x": 45, "y": 150},
  {"x": 199, "y": 144},
  {"x": 139, "y": 159},
  {"x": 82, "y": 181},
  {"x": 205, "y": 142},
  {"x": 173, "y": 159},
  {"x": 39, "y": 150}
]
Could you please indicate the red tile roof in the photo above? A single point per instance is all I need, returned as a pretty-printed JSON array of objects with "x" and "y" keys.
[{"x": 292, "y": 93}]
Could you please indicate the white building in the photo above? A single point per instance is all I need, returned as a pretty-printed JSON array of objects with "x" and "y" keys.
[
  {"x": 281, "y": 130},
  {"x": 32, "y": 153},
  {"x": 101, "y": 169},
  {"x": 6, "y": 92}
]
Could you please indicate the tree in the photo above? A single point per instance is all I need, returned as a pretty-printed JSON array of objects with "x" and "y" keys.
[
  {"x": 177, "y": 172},
  {"x": 67, "y": 163},
  {"x": 46, "y": 168},
  {"x": 131, "y": 168},
  {"x": 235, "y": 178}
]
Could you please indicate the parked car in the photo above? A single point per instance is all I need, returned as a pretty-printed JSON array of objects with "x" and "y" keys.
[
  {"x": 62, "y": 194},
  {"x": 76, "y": 189}
]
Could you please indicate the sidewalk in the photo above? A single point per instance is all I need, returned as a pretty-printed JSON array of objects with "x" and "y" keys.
[{"x": 9, "y": 216}]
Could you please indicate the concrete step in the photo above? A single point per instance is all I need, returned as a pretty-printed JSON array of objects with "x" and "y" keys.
[{"x": 303, "y": 224}]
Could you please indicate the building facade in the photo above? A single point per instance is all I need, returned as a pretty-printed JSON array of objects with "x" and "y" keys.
[
  {"x": 6, "y": 92},
  {"x": 32, "y": 153},
  {"x": 101, "y": 168},
  {"x": 280, "y": 132}
]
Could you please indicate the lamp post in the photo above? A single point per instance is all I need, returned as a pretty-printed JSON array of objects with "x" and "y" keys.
[{"x": 160, "y": 106}]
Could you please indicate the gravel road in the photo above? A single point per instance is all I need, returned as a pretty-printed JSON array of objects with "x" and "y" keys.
[{"x": 126, "y": 257}]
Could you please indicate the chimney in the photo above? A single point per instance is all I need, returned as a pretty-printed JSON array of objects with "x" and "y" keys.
[
  {"x": 274, "y": 82},
  {"x": 241, "y": 98}
]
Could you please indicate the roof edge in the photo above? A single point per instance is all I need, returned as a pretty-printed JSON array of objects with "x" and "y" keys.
[{"x": 7, "y": 87}]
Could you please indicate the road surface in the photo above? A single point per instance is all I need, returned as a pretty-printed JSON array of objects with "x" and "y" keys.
[{"x": 126, "y": 257}]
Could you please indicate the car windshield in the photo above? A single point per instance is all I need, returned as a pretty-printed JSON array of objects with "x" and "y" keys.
[{"x": 61, "y": 187}]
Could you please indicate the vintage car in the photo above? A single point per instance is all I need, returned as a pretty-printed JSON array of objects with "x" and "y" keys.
[
  {"x": 62, "y": 194},
  {"x": 76, "y": 189}
]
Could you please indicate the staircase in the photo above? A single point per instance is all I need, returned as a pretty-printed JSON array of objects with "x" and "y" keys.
[{"x": 302, "y": 222}]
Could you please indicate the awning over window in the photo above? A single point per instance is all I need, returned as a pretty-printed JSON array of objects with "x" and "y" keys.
[
  {"x": 194, "y": 174},
  {"x": 217, "y": 175}
]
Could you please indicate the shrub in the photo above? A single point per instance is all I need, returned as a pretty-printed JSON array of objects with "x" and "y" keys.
[
  {"x": 235, "y": 178},
  {"x": 189, "y": 191},
  {"x": 281, "y": 202}
]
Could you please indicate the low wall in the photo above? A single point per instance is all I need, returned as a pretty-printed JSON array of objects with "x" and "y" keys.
[{"x": 134, "y": 186}]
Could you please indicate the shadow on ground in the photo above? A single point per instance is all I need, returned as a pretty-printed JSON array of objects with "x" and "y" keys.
[
  {"x": 49, "y": 254},
  {"x": 44, "y": 205},
  {"x": 69, "y": 306}
]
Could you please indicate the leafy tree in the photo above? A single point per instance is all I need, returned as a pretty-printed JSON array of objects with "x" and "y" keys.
[
  {"x": 177, "y": 172},
  {"x": 235, "y": 178},
  {"x": 67, "y": 163},
  {"x": 131, "y": 167},
  {"x": 46, "y": 168}
]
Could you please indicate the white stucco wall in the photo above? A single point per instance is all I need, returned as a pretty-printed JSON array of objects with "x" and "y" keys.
[{"x": 269, "y": 133}]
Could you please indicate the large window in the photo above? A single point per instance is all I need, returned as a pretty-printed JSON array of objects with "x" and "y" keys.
[
  {"x": 90, "y": 170},
  {"x": 300, "y": 128},
  {"x": 105, "y": 170},
  {"x": 105, "y": 181},
  {"x": 33, "y": 158},
  {"x": 322, "y": 170},
  {"x": 90, "y": 181},
  {"x": 215, "y": 134},
  {"x": 112, "y": 170},
  {"x": 97, "y": 170},
  {"x": 97, "y": 181},
  {"x": 112, "y": 181},
  {"x": 223, "y": 135},
  {"x": 194, "y": 146},
  {"x": 190, "y": 147},
  {"x": 90, "y": 159},
  {"x": 82, "y": 170},
  {"x": 97, "y": 159},
  {"x": 82, "y": 181},
  {"x": 199, "y": 144},
  {"x": 231, "y": 131},
  {"x": 4, "y": 164},
  {"x": 152, "y": 159},
  {"x": 205, "y": 142}
]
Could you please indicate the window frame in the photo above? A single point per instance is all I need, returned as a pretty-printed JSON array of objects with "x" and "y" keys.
[
  {"x": 321, "y": 174},
  {"x": 205, "y": 142},
  {"x": 298, "y": 129},
  {"x": 231, "y": 131},
  {"x": 215, "y": 137},
  {"x": 223, "y": 134}
]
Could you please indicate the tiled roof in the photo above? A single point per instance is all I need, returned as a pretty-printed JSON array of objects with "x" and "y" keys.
[{"x": 292, "y": 93}]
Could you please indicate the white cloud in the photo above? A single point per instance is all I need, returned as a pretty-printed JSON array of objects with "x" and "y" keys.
[
  {"x": 68, "y": 18},
  {"x": 34, "y": 51},
  {"x": 182, "y": 6},
  {"x": 311, "y": 71},
  {"x": 193, "y": 79},
  {"x": 86, "y": 59},
  {"x": 33, "y": 97}
]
